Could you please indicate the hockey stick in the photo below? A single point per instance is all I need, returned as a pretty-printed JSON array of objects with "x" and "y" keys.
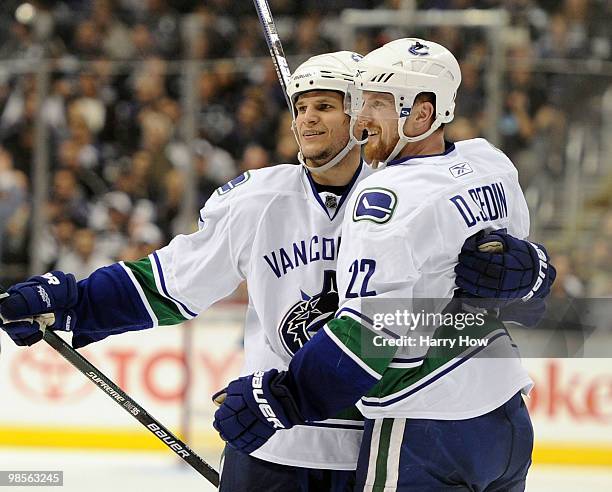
[
  {"x": 121, "y": 398},
  {"x": 274, "y": 45}
]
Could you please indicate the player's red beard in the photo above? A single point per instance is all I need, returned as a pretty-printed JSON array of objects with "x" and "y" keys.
[{"x": 379, "y": 150}]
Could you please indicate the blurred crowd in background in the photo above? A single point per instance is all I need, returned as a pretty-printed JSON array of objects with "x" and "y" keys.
[{"x": 114, "y": 113}]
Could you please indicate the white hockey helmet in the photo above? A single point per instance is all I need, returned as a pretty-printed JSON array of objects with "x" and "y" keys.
[
  {"x": 405, "y": 68},
  {"x": 330, "y": 71}
]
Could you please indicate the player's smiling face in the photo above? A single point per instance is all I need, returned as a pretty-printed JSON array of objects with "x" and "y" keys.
[
  {"x": 321, "y": 125},
  {"x": 379, "y": 117}
]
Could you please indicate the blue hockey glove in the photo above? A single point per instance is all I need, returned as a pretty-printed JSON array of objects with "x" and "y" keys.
[
  {"x": 521, "y": 271},
  {"x": 54, "y": 292},
  {"x": 23, "y": 332},
  {"x": 253, "y": 409}
]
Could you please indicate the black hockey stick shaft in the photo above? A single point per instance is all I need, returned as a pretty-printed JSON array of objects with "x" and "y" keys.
[
  {"x": 274, "y": 45},
  {"x": 129, "y": 405}
]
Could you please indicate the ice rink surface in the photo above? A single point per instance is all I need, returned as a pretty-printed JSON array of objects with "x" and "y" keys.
[{"x": 159, "y": 471}]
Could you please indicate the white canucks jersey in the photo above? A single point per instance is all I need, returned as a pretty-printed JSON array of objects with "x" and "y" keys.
[
  {"x": 403, "y": 229},
  {"x": 271, "y": 228}
]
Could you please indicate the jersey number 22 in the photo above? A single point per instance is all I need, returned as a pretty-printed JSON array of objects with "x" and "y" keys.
[{"x": 358, "y": 267}]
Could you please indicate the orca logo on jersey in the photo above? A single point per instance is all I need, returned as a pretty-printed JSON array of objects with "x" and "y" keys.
[
  {"x": 309, "y": 315},
  {"x": 237, "y": 181},
  {"x": 375, "y": 204}
]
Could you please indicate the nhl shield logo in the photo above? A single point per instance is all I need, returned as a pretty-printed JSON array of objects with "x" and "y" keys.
[
  {"x": 331, "y": 201},
  {"x": 309, "y": 315}
]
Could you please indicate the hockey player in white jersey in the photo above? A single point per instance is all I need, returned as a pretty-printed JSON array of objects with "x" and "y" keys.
[
  {"x": 278, "y": 229},
  {"x": 442, "y": 412}
]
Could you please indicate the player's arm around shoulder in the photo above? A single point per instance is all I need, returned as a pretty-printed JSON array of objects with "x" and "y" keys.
[
  {"x": 342, "y": 362},
  {"x": 379, "y": 261},
  {"x": 332, "y": 371}
]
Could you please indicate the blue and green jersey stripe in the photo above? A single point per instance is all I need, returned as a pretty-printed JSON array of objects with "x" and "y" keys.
[{"x": 148, "y": 278}]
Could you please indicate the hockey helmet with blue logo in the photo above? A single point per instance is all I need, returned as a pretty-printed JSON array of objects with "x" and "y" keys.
[{"x": 406, "y": 68}]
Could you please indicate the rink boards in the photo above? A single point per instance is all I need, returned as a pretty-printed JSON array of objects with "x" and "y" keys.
[{"x": 172, "y": 371}]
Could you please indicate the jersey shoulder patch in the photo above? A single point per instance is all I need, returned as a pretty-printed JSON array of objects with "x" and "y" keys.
[
  {"x": 234, "y": 183},
  {"x": 270, "y": 180},
  {"x": 375, "y": 204},
  {"x": 249, "y": 193}
]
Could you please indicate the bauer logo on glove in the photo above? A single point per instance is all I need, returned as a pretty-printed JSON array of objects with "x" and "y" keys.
[{"x": 252, "y": 408}]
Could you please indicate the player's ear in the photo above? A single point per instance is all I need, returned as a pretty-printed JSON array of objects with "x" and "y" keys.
[{"x": 424, "y": 112}]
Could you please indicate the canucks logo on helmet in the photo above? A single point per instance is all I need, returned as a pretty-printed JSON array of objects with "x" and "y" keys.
[
  {"x": 309, "y": 315},
  {"x": 419, "y": 49}
]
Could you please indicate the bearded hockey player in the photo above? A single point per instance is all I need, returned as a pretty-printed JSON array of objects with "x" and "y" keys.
[
  {"x": 279, "y": 229},
  {"x": 445, "y": 421}
]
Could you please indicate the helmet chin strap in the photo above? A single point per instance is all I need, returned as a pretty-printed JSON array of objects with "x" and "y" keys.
[
  {"x": 337, "y": 158},
  {"x": 403, "y": 139}
]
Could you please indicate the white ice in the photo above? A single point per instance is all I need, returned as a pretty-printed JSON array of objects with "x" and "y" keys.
[{"x": 160, "y": 471}]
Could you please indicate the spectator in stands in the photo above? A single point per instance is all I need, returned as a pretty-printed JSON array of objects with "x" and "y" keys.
[
  {"x": 286, "y": 146},
  {"x": 117, "y": 122},
  {"x": 110, "y": 219},
  {"x": 13, "y": 194},
  {"x": 253, "y": 124},
  {"x": 469, "y": 105},
  {"x": 156, "y": 132},
  {"x": 215, "y": 120},
  {"x": 87, "y": 41},
  {"x": 214, "y": 167},
  {"x": 57, "y": 241},
  {"x": 73, "y": 157},
  {"x": 66, "y": 198},
  {"x": 83, "y": 258},
  {"x": 144, "y": 239},
  {"x": 17, "y": 123},
  {"x": 114, "y": 35},
  {"x": 254, "y": 157},
  {"x": 308, "y": 36}
]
